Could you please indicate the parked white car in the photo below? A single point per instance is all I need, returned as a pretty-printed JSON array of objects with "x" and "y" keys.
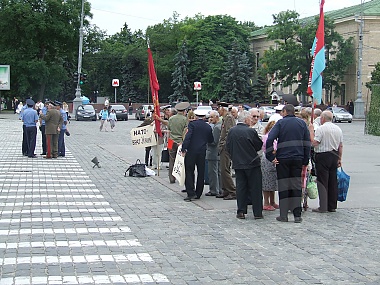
[
  {"x": 340, "y": 114},
  {"x": 268, "y": 112}
]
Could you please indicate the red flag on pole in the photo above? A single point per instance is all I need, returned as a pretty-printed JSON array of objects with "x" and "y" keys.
[{"x": 154, "y": 87}]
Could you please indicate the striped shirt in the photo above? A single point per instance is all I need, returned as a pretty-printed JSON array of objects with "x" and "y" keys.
[{"x": 329, "y": 136}]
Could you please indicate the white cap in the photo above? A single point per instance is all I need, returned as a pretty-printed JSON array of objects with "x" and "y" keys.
[
  {"x": 279, "y": 107},
  {"x": 201, "y": 112}
]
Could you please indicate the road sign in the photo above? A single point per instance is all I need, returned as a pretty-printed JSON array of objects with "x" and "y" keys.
[
  {"x": 197, "y": 86},
  {"x": 115, "y": 82}
]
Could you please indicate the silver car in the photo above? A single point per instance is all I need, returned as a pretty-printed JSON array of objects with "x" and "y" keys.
[
  {"x": 268, "y": 111},
  {"x": 340, "y": 114},
  {"x": 142, "y": 111}
]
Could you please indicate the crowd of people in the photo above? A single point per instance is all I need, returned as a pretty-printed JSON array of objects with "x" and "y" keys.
[
  {"x": 220, "y": 145},
  {"x": 51, "y": 119},
  {"x": 278, "y": 157}
]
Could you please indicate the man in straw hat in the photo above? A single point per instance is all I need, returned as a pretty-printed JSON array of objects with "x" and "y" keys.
[{"x": 176, "y": 126}]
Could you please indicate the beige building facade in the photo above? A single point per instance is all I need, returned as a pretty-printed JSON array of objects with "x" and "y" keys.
[{"x": 347, "y": 23}]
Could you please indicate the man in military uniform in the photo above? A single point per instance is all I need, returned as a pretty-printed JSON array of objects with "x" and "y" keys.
[
  {"x": 63, "y": 127},
  {"x": 53, "y": 121},
  {"x": 228, "y": 186},
  {"x": 177, "y": 125}
]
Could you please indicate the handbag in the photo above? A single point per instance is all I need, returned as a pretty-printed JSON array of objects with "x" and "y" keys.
[
  {"x": 311, "y": 188},
  {"x": 165, "y": 155},
  {"x": 136, "y": 170},
  {"x": 343, "y": 184}
]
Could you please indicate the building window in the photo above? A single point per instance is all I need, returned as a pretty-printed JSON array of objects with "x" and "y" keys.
[
  {"x": 343, "y": 94},
  {"x": 257, "y": 59}
]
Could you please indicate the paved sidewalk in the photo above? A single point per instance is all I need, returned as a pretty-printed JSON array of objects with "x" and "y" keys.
[{"x": 65, "y": 222}]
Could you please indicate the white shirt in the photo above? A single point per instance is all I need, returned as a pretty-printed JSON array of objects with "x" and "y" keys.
[
  {"x": 275, "y": 117},
  {"x": 329, "y": 136},
  {"x": 316, "y": 123}
]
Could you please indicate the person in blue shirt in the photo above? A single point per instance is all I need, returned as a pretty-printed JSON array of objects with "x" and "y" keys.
[
  {"x": 30, "y": 119},
  {"x": 24, "y": 142},
  {"x": 42, "y": 129},
  {"x": 104, "y": 119},
  {"x": 61, "y": 137}
]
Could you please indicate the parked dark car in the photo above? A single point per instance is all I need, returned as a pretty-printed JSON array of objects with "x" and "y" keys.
[
  {"x": 142, "y": 111},
  {"x": 121, "y": 112},
  {"x": 85, "y": 112}
]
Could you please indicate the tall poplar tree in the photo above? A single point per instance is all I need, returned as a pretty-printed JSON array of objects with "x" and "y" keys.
[
  {"x": 237, "y": 76},
  {"x": 180, "y": 82}
]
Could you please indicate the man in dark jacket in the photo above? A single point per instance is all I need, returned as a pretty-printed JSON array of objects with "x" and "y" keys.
[
  {"x": 293, "y": 151},
  {"x": 198, "y": 135},
  {"x": 242, "y": 144}
]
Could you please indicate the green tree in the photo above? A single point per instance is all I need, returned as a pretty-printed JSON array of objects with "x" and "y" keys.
[
  {"x": 180, "y": 83},
  {"x": 375, "y": 77},
  {"x": 237, "y": 76},
  {"x": 209, "y": 40},
  {"x": 41, "y": 44},
  {"x": 294, "y": 40}
]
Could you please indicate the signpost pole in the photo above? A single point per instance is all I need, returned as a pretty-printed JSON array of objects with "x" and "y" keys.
[{"x": 115, "y": 83}]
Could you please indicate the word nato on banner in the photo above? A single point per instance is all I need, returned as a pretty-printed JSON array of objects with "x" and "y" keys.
[{"x": 143, "y": 136}]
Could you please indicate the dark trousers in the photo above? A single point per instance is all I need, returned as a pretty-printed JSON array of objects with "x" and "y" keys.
[
  {"x": 147, "y": 156},
  {"x": 31, "y": 134},
  {"x": 43, "y": 135},
  {"x": 172, "y": 155},
  {"x": 61, "y": 143},
  {"x": 249, "y": 188},
  {"x": 289, "y": 186},
  {"x": 206, "y": 173},
  {"x": 326, "y": 164},
  {"x": 25, "y": 149},
  {"x": 228, "y": 185},
  {"x": 192, "y": 160}
]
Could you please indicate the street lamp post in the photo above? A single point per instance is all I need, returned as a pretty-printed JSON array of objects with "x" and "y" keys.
[
  {"x": 77, "y": 101},
  {"x": 359, "y": 103}
]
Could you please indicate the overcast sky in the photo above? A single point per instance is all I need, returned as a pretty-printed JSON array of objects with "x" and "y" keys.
[{"x": 111, "y": 15}]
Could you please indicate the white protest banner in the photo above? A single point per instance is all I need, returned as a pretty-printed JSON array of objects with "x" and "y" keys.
[
  {"x": 143, "y": 136},
  {"x": 179, "y": 167}
]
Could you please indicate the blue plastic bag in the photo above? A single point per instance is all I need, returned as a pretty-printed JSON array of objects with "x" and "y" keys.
[{"x": 343, "y": 184}]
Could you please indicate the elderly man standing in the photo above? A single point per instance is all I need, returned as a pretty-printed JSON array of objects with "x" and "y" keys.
[
  {"x": 278, "y": 115},
  {"x": 242, "y": 144},
  {"x": 61, "y": 137},
  {"x": 213, "y": 157},
  {"x": 255, "y": 121},
  {"x": 293, "y": 151},
  {"x": 228, "y": 186},
  {"x": 317, "y": 118},
  {"x": 30, "y": 119},
  {"x": 176, "y": 126},
  {"x": 53, "y": 121},
  {"x": 328, "y": 148},
  {"x": 198, "y": 135}
]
